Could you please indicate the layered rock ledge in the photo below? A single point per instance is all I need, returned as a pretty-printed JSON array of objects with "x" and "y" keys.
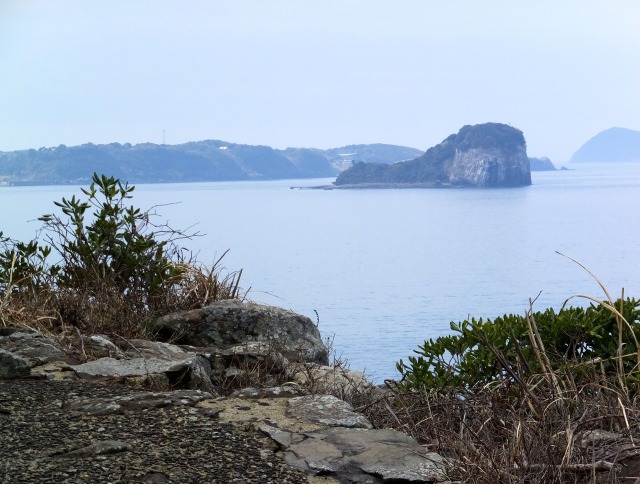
[{"x": 113, "y": 410}]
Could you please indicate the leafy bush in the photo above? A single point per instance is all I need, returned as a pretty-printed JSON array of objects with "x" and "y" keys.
[
  {"x": 514, "y": 348},
  {"x": 545, "y": 397},
  {"x": 116, "y": 248},
  {"x": 116, "y": 268}
]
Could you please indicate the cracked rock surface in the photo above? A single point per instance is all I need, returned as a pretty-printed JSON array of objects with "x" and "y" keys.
[
  {"x": 62, "y": 421},
  {"x": 42, "y": 440},
  {"x": 327, "y": 410},
  {"x": 362, "y": 455}
]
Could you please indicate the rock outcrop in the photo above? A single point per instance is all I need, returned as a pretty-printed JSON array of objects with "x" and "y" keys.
[
  {"x": 221, "y": 346},
  {"x": 485, "y": 155},
  {"x": 149, "y": 411},
  {"x": 230, "y": 323},
  {"x": 541, "y": 164},
  {"x": 12, "y": 365},
  {"x": 358, "y": 455},
  {"x": 91, "y": 427}
]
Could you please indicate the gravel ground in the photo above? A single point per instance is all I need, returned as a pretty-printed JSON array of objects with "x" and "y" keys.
[{"x": 176, "y": 444}]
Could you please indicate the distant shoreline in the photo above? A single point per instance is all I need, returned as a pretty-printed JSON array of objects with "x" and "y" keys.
[{"x": 386, "y": 186}]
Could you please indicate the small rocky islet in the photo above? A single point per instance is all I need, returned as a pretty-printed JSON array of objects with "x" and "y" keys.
[
  {"x": 104, "y": 409},
  {"x": 489, "y": 155}
]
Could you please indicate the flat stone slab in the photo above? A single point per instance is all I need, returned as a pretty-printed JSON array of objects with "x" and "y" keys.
[
  {"x": 99, "y": 448},
  {"x": 126, "y": 368},
  {"x": 327, "y": 410},
  {"x": 135, "y": 402},
  {"x": 54, "y": 370},
  {"x": 155, "y": 349},
  {"x": 251, "y": 393},
  {"x": 363, "y": 455}
]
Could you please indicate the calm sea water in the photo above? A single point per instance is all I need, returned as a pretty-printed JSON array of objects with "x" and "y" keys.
[{"x": 387, "y": 269}]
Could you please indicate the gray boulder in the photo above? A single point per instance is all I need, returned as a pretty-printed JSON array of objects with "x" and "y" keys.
[
  {"x": 13, "y": 366},
  {"x": 33, "y": 347},
  {"x": 143, "y": 348},
  {"x": 150, "y": 363},
  {"x": 233, "y": 322}
]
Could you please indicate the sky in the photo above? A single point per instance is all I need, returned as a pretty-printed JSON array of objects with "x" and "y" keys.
[{"x": 295, "y": 73}]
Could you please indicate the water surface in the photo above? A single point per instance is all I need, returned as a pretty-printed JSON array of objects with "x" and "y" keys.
[{"x": 386, "y": 269}]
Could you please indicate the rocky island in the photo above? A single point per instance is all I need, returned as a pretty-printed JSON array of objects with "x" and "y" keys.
[
  {"x": 484, "y": 155},
  {"x": 541, "y": 164}
]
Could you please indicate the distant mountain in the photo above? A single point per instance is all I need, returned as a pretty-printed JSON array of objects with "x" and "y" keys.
[
  {"x": 614, "y": 144},
  {"x": 484, "y": 155},
  {"x": 210, "y": 160},
  {"x": 541, "y": 164}
]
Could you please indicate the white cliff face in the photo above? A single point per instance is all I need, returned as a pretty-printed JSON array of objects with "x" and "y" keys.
[{"x": 490, "y": 167}]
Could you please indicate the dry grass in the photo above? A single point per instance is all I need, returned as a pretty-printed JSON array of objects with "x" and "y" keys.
[
  {"x": 118, "y": 268},
  {"x": 574, "y": 425},
  {"x": 106, "y": 310},
  {"x": 552, "y": 432},
  {"x": 494, "y": 434}
]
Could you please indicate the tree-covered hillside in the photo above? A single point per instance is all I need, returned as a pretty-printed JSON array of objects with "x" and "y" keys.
[{"x": 210, "y": 160}]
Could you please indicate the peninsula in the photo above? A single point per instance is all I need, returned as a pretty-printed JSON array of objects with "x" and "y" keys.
[{"x": 197, "y": 161}]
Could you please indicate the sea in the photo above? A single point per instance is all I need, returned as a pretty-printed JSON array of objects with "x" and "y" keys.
[{"x": 382, "y": 270}]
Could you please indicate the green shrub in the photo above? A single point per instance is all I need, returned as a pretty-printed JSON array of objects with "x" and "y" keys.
[
  {"x": 515, "y": 348},
  {"x": 23, "y": 264},
  {"x": 116, "y": 268},
  {"x": 115, "y": 247}
]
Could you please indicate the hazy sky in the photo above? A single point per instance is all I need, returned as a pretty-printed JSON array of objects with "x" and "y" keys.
[{"x": 316, "y": 73}]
